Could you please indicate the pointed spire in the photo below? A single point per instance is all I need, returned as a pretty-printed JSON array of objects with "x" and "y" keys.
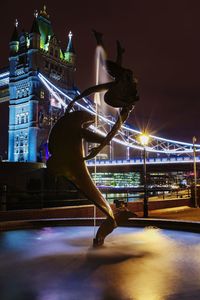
[
  {"x": 69, "y": 54},
  {"x": 70, "y": 46},
  {"x": 14, "y": 41},
  {"x": 36, "y": 13},
  {"x": 15, "y": 35},
  {"x": 43, "y": 12},
  {"x": 35, "y": 27}
]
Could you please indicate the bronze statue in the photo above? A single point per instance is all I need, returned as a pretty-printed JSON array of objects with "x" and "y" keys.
[{"x": 67, "y": 135}]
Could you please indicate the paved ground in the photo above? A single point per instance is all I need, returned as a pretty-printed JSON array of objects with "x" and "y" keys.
[{"x": 178, "y": 213}]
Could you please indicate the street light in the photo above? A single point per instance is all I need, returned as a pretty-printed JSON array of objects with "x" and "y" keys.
[
  {"x": 144, "y": 139},
  {"x": 195, "y": 171}
]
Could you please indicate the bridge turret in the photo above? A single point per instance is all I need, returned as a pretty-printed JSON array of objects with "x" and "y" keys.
[
  {"x": 35, "y": 33},
  {"x": 14, "y": 41},
  {"x": 23, "y": 42},
  {"x": 31, "y": 110},
  {"x": 45, "y": 28}
]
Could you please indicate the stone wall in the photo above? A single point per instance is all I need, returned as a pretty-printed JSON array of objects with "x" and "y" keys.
[{"x": 86, "y": 211}]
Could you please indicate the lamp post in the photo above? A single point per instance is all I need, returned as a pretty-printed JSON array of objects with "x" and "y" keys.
[
  {"x": 144, "y": 139},
  {"x": 195, "y": 171}
]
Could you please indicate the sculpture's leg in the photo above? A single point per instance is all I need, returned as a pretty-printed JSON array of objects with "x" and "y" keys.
[
  {"x": 122, "y": 214},
  {"x": 105, "y": 229}
]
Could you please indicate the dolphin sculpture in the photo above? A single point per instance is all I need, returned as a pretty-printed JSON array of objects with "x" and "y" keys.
[{"x": 67, "y": 156}]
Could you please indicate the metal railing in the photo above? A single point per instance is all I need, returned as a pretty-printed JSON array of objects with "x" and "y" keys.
[{"x": 38, "y": 199}]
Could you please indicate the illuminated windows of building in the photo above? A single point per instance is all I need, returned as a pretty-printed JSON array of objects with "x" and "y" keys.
[
  {"x": 22, "y": 118},
  {"x": 128, "y": 179},
  {"x": 21, "y": 146}
]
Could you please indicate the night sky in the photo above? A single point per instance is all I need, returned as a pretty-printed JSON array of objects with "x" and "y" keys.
[{"x": 162, "y": 42}]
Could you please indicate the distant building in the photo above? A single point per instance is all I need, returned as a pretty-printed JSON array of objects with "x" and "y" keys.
[{"x": 32, "y": 111}]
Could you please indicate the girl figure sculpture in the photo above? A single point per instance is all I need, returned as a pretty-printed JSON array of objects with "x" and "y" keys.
[{"x": 66, "y": 139}]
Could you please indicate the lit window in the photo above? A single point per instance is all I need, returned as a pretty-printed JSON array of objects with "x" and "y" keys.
[{"x": 41, "y": 94}]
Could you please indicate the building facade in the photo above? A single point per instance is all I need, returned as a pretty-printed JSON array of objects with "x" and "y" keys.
[{"x": 32, "y": 110}]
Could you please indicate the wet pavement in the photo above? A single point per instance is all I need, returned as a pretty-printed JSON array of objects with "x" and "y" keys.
[
  {"x": 184, "y": 213},
  {"x": 58, "y": 263}
]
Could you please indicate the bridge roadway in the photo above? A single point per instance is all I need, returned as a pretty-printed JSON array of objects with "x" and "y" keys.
[{"x": 162, "y": 164}]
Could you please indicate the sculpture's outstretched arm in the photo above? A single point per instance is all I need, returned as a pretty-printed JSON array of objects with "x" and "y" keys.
[
  {"x": 121, "y": 119},
  {"x": 92, "y": 137},
  {"x": 94, "y": 89}
]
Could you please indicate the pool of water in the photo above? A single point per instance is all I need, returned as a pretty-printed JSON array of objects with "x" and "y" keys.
[{"x": 58, "y": 263}]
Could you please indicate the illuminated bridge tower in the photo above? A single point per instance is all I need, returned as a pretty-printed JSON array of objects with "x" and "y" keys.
[{"x": 32, "y": 111}]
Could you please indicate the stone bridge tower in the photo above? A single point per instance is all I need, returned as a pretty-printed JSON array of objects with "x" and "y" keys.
[{"x": 32, "y": 111}]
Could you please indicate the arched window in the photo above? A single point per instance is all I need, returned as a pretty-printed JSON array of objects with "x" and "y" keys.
[{"x": 22, "y": 119}]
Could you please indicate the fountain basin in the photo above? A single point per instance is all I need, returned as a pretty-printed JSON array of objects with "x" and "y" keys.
[{"x": 50, "y": 263}]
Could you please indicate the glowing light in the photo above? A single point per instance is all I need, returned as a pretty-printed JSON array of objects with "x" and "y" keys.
[
  {"x": 144, "y": 139},
  {"x": 70, "y": 35},
  {"x": 4, "y": 74},
  {"x": 36, "y": 13}
]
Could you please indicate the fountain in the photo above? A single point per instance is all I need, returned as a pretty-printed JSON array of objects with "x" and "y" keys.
[{"x": 56, "y": 263}]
